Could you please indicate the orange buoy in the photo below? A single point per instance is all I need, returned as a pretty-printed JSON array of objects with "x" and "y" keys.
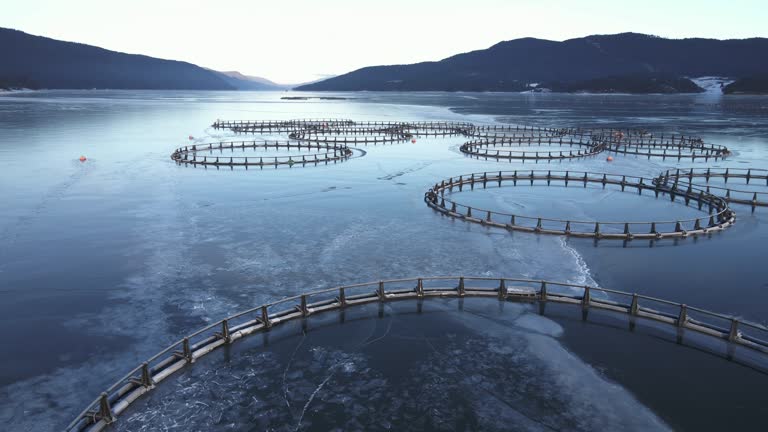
[
  {"x": 83, "y": 159},
  {"x": 191, "y": 137},
  {"x": 413, "y": 140},
  {"x": 609, "y": 158}
]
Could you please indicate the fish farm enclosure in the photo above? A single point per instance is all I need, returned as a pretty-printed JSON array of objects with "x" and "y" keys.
[
  {"x": 333, "y": 140},
  {"x": 385, "y": 262}
]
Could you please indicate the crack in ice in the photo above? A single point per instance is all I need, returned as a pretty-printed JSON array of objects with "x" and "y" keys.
[
  {"x": 288, "y": 366},
  {"x": 312, "y": 396}
]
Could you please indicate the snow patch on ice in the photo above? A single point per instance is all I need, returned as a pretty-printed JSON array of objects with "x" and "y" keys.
[{"x": 712, "y": 85}]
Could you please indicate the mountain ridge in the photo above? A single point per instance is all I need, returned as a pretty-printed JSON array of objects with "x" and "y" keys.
[
  {"x": 38, "y": 62},
  {"x": 512, "y": 65},
  {"x": 55, "y": 64}
]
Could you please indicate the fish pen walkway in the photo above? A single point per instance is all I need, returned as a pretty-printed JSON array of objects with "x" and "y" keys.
[
  {"x": 692, "y": 177},
  {"x": 106, "y": 408}
]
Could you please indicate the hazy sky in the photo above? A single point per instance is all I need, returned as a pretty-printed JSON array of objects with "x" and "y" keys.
[{"x": 291, "y": 41}]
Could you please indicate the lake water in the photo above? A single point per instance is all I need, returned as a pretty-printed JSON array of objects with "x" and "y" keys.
[{"x": 106, "y": 262}]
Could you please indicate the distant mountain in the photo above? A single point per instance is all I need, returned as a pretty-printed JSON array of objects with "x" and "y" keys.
[
  {"x": 247, "y": 82},
  {"x": 255, "y": 79},
  {"x": 512, "y": 65},
  {"x": 327, "y": 77},
  {"x": 749, "y": 85},
  {"x": 39, "y": 62}
]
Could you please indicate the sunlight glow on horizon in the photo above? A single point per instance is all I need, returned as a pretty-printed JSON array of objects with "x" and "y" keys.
[{"x": 295, "y": 41}]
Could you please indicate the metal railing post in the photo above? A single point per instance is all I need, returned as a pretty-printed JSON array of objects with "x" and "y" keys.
[
  {"x": 634, "y": 307},
  {"x": 225, "y": 331},
  {"x": 146, "y": 377},
  {"x": 733, "y": 334},
  {"x": 342, "y": 297},
  {"x": 265, "y": 317},
  {"x": 187, "y": 352},
  {"x": 303, "y": 306},
  {"x": 586, "y": 298},
  {"x": 682, "y": 317},
  {"x": 105, "y": 410}
]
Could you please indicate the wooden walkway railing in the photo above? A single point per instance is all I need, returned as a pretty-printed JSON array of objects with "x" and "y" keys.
[{"x": 116, "y": 398}]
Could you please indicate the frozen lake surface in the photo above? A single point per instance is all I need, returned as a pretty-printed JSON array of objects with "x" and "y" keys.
[{"x": 106, "y": 262}]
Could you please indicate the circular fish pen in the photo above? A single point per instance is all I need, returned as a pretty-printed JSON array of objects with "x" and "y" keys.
[
  {"x": 213, "y": 154},
  {"x": 533, "y": 148},
  {"x": 718, "y": 215},
  {"x": 674, "y": 147},
  {"x": 116, "y": 399},
  {"x": 751, "y": 186}
]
